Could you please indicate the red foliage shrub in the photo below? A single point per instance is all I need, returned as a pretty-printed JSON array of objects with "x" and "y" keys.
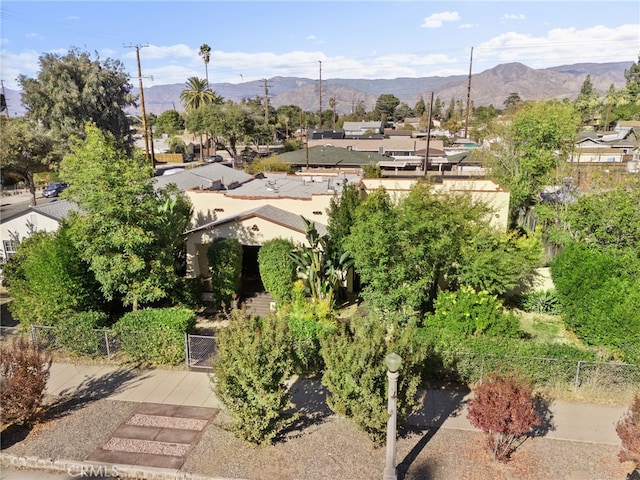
[
  {"x": 628, "y": 429},
  {"x": 503, "y": 408},
  {"x": 24, "y": 372}
]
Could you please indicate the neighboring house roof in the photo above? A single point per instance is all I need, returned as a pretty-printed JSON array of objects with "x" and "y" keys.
[
  {"x": 321, "y": 156},
  {"x": 266, "y": 212},
  {"x": 204, "y": 177},
  {"x": 393, "y": 144},
  {"x": 57, "y": 210},
  {"x": 281, "y": 185}
]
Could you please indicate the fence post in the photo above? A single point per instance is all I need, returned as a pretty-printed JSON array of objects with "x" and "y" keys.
[
  {"x": 34, "y": 338},
  {"x": 106, "y": 343},
  {"x": 577, "y": 381},
  {"x": 186, "y": 349}
]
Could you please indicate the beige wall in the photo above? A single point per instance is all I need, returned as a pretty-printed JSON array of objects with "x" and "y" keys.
[
  {"x": 251, "y": 231},
  {"x": 480, "y": 189},
  {"x": 206, "y": 202}
]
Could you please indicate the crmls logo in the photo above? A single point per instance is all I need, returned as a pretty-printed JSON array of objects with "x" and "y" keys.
[{"x": 88, "y": 471}]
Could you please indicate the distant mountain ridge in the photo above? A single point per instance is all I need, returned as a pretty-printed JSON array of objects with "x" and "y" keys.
[{"x": 491, "y": 86}]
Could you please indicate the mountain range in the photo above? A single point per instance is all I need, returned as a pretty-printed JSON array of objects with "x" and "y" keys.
[{"x": 490, "y": 87}]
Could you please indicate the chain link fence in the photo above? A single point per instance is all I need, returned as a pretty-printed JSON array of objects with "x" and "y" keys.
[
  {"x": 547, "y": 372},
  {"x": 200, "y": 350}
]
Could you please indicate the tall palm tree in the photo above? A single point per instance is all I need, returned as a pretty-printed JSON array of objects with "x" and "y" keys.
[
  {"x": 205, "y": 53},
  {"x": 196, "y": 95}
]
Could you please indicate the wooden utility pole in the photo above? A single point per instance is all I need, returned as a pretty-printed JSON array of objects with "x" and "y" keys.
[
  {"x": 320, "y": 62},
  {"x": 426, "y": 153},
  {"x": 466, "y": 122},
  {"x": 144, "y": 113}
]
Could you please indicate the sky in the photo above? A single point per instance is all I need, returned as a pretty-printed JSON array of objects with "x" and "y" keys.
[{"x": 253, "y": 40}]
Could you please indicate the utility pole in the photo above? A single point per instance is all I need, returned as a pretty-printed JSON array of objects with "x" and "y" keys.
[
  {"x": 426, "y": 152},
  {"x": 144, "y": 114},
  {"x": 466, "y": 122},
  {"x": 320, "y": 62},
  {"x": 266, "y": 102}
]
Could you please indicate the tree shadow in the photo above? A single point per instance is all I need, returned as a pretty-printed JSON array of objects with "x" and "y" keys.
[
  {"x": 309, "y": 398},
  {"x": 93, "y": 389},
  {"x": 66, "y": 402},
  {"x": 546, "y": 425},
  {"x": 438, "y": 405}
]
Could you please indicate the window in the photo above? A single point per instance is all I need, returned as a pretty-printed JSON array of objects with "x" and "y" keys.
[{"x": 10, "y": 247}]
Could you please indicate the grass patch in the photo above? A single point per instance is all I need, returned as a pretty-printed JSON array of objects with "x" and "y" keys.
[{"x": 546, "y": 328}]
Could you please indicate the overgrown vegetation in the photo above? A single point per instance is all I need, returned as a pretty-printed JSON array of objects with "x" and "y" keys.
[
  {"x": 79, "y": 334},
  {"x": 155, "y": 335},
  {"x": 355, "y": 372},
  {"x": 253, "y": 363},
  {"x": 24, "y": 370},
  {"x": 277, "y": 269},
  {"x": 225, "y": 264}
]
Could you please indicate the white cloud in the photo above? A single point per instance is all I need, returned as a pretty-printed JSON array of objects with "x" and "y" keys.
[
  {"x": 512, "y": 16},
  {"x": 155, "y": 52},
  {"x": 563, "y": 46},
  {"x": 437, "y": 19},
  {"x": 311, "y": 37},
  {"x": 12, "y": 65},
  {"x": 468, "y": 25}
]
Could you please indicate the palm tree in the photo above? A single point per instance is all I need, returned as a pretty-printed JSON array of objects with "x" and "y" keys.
[
  {"x": 196, "y": 95},
  {"x": 205, "y": 53}
]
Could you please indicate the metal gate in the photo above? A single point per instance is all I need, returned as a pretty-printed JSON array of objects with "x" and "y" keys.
[{"x": 200, "y": 350}]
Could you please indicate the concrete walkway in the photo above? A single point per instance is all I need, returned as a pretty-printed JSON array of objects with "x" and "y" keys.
[{"x": 580, "y": 422}]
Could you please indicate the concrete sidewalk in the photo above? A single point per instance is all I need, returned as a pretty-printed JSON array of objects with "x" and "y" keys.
[{"x": 578, "y": 422}]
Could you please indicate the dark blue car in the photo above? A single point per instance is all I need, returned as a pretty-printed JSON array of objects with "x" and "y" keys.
[{"x": 54, "y": 189}]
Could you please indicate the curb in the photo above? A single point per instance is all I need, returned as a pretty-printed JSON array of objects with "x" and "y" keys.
[{"x": 78, "y": 469}]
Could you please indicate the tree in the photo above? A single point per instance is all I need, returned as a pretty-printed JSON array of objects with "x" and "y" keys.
[
  {"x": 504, "y": 409},
  {"x": 48, "y": 280},
  {"x": 225, "y": 264},
  {"x": 25, "y": 149},
  {"x": 632, "y": 77},
  {"x": 197, "y": 93},
  {"x": 74, "y": 89},
  {"x": 129, "y": 234},
  {"x": 386, "y": 106},
  {"x": 538, "y": 140},
  {"x": 205, "y": 53},
  {"x": 420, "y": 107},
  {"x": 512, "y": 100},
  {"x": 341, "y": 216},
  {"x": 587, "y": 100},
  {"x": 169, "y": 122}
]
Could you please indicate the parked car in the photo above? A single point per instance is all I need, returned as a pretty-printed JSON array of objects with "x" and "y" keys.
[
  {"x": 214, "y": 159},
  {"x": 54, "y": 190}
]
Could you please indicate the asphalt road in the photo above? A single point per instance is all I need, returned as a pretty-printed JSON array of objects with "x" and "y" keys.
[{"x": 13, "y": 205}]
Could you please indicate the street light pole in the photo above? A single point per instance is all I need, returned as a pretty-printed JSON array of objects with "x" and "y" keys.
[{"x": 393, "y": 362}]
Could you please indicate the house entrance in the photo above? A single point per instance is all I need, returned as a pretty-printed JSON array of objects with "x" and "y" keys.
[{"x": 250, "y": 281}]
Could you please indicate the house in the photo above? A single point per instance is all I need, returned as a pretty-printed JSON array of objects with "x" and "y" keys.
[
  {"x": 400, "y": 148},
  {"x": 329, "y": 157},
  {"x": 38, "y": 218},
  {"x": 361, "y": 128},
  {"x": 614, "y": 147}
]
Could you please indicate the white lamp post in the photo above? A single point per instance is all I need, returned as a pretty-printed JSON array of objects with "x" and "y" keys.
[{"x": 393, "y": 362}]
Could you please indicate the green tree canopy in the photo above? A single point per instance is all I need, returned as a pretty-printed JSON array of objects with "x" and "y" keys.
[
  {"x": 73, "y": 89},
  {"x": 128, "y": 233},
  {"x": 536, "y": 143},
  {"x": 386, "y": 106},
  {"x": 25, "y": 149},
  {"x": 170, "y": 122}
]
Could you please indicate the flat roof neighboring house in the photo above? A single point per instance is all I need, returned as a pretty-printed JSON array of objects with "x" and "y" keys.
[
  {"x": 392, "y": 147},
  {"x": 39, "y": 218},
  {"x": 330, "y": 157}
]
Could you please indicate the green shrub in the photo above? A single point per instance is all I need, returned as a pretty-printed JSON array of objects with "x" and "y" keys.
[
  {"x": 225, "y": 262},
  {"x": 187, "y": 293},
  {"x": 466, "y": 312},
  {"x": 155, "y": 335},
  {"x": 254, "y": 360},
  {"x": 599, "y": 295},
  {"x": 79, "y": 334},
  {"x": 544, "y": 301},
  {"x": 308, "y": 322},
  {"x": 355, "y": 372},
  {"x": 277, "y": 270}
]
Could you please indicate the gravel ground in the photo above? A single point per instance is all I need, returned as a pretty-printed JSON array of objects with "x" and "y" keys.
[{"x": 327, "y": 447}]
